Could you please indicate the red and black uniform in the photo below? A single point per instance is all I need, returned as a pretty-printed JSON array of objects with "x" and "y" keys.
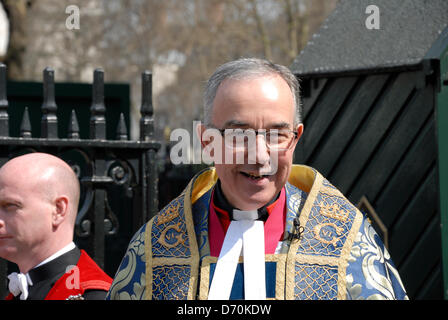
[{"x": 56, "y": 280}]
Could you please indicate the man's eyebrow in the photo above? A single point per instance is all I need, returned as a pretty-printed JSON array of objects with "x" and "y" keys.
[
  {"x": 275, "y": 125},
  {"x": 279, "y": 125},
  {"x": 236, "y": 123}
]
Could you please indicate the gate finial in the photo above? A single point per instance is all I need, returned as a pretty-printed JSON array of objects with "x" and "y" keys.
[
  {"x": 49, "y": 122},
  {"x": 4, "y": 119},
  {"x": 25, "y": 127},
  {"x": 73, "y": 127},
  {"x": 146, "y": 110},
  {"x": 97, "y": 109}
]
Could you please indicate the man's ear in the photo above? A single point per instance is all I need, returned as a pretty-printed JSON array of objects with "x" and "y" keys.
[
  {"x": 299, "y": 130},
  {"x": 60, "y": 211},
  {"x": 200, "y": 128}
]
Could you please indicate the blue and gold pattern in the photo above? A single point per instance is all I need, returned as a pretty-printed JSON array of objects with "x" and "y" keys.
[
  {"x": 169, "y": 282},
  {"x": 201, "y": 223},
  {"x": 171, "y": 249},
  {"x": 129, "y": 281},
  {"x": 315, "y": 282},
  {"x": 330, "y": 224},
  {"x": 371, "y": 274},
  {"x": 338, "y": 256},
  {"x": 170, "y": 229}
]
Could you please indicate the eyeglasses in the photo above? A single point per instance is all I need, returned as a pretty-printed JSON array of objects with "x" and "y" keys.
[{"x": 245, "y": 139}]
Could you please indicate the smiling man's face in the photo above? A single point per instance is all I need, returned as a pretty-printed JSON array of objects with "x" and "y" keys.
[{"x": 264, "y": 102}]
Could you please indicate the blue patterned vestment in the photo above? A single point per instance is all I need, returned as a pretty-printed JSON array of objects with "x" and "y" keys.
[{"x": 339, "y": 254}]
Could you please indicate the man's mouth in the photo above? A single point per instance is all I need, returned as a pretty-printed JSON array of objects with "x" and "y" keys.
[{"x": 253, "y": 176}]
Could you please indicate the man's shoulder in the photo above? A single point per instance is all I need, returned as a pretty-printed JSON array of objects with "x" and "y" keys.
[
  {"x": 91, "y": 273},
  {"x": 195, "y": 197},
  {"x": 85, "y": 276}
]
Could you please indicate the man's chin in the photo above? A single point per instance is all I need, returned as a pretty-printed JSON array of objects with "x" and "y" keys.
[{"x": 255, "y": 201}]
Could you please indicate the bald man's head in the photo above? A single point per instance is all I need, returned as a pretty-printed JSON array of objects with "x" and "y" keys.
[
  {"x": 39, "y": 196},
  {"x": 47, "y": 174}
]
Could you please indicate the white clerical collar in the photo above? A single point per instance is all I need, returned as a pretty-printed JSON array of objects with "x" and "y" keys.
[
  {"x": 58, "y": 253},
  {"x": 244, "y": 235}
]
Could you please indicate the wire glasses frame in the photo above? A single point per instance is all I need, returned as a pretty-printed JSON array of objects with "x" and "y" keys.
[{"x": 245, "y": 139}]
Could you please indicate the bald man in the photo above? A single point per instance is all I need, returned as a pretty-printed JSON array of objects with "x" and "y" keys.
[{"x": 39, "y": 196}]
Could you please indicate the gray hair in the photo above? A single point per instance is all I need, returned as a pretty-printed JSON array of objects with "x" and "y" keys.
[{"x": 246, "y": 68}]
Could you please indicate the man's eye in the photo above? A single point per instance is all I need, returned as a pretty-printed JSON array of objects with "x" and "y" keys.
[
  {"x": 237, "y": 133},
  {"x": 276, "y": 134}
]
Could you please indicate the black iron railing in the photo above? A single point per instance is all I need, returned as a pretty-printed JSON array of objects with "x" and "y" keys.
[{"x": 118, "y": 177}]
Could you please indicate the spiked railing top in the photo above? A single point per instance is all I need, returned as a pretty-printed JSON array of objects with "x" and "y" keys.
[
  {"x": 146, "y": 110},
  {"x": 4, "y": 119},
  {"x": 49, "y": 121},
  {"x": 98, "y": 109},
  {"x": 73, "y": 127}
]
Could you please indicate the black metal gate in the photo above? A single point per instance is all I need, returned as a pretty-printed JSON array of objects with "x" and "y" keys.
[{"x": 118, "y": 177}]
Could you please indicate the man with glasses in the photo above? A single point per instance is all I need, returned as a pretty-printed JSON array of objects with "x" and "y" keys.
[{"x": 255, "y": 226}]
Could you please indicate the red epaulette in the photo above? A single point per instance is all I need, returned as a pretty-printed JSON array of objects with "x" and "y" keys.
[{"x": 87, "y": 276}]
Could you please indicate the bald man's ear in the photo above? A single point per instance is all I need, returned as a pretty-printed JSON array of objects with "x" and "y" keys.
[{"x": 60, "y": 211}]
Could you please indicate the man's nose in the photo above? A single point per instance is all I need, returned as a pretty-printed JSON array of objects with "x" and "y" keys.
[{"x": 262, "y": 152}]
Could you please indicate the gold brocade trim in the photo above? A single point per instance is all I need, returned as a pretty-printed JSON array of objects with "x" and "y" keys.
[
  {"x": 194, "y": 251},
  {"x": 291, "y": 258},
  {"x": 169, "y": 214},
  {"x": 345, "y": 254},
  {"x": 319, "y": 260},
  {"x": 203, "y": 183},
  {"x": 193, "y": 260},
  {"x": 179, "y": 239},
  {"x": 280, "y": 259},
  {"x": 157, "y": 262},
  {"x": 333, "y": 212},
  {"x": 280, "y": 274},
  {"x": 205, "y": 276},
  {"x": 302, "y": 177},
  {"x": 148, "y": 262}
]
